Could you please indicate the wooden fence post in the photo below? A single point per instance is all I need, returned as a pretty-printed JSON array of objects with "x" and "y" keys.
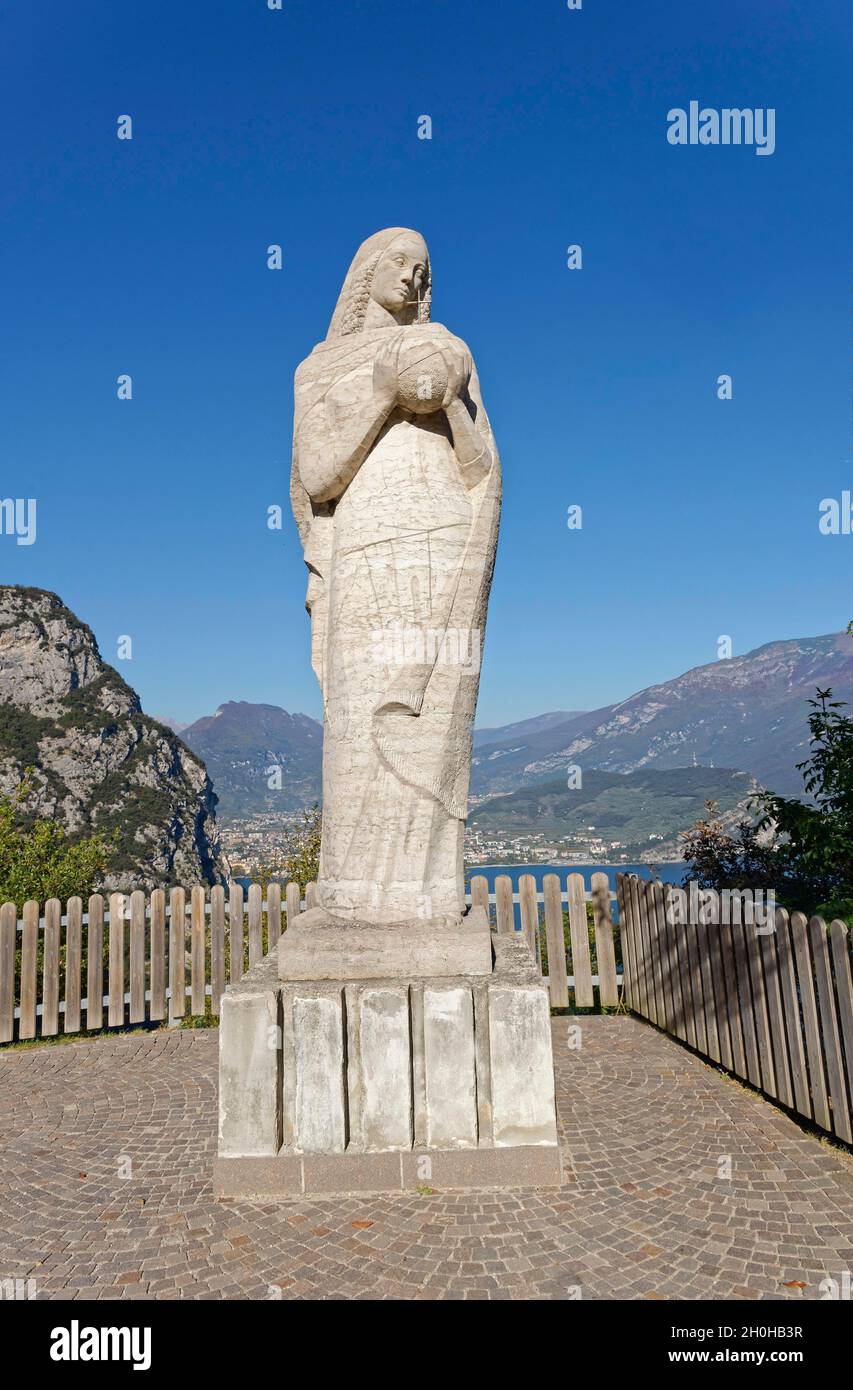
[
  {"x": 95, "y": 963},
  {"x": 137, "y": 957},
  {"x": 579, "y": 936},
  {"x": 273, "y": 914},
  {"x": 696, "y": 992},
  {"x": 630, "y": 945},
  {"x": 666, "y": 1002},
  {"x": 720, "y": 1001},
  {"x": 830, "y": 1030},
  {"x": 762, "y": 1017},
  {"x": 157, "y": 1007},
  {"x": 29, "y": 970},
  {"x": 647, "y": 975},
  {"x": 645, "y": 986},
  {"x": 115, "y": 1015},
  {"x": 805, "y": 976},
  {"x": 776, "y": 1012},
  {"x": 673, "y": 999},
  {"x": 198, "y": 971},
  {"x": 256, "y": 939},
  {"x": 235, "y": 931},
  {"x": 623, "y": 939},
  {"x": 480, "y": 894},
  {"x": 839, "y": 941},
  {"x": 727, "y": 948},
  {"x": 504, "y": 913},
  {"x": 73, "y": 959},
  {"x": 8, "y": 942},
  {"x": 708, "y": 991},
  {"x": 791, "y": 1002},
  {"x": 50, "y": 969},
  {"x": 682, "y": 947},
  {"x": 605, "y": 956},
  {"x": 745, "y": 1004},
  {"x": 177, "y": 949},
  {"x": 558, "y": 982},
  {"x": 292, "y": 901},
  {"x": 217, "y": 947},
  {"x": 529, "y": 911},
  {"x": 657, "y": 906}
]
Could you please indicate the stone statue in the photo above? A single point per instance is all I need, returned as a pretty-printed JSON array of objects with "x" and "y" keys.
[
  {"x": 388, "y": 1027},
  {"x": 396, "y": 491}
]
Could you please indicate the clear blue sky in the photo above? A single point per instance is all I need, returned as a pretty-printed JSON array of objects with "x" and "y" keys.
[{"x": 299, "y": 127}]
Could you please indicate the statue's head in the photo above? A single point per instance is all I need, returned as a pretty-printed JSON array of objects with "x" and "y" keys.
[
  {"x": 399, "y": 278},
  {"x": 388, "y": 282}
]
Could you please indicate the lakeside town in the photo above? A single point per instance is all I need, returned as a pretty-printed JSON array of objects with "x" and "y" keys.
[{"x": 253, "y": 845}]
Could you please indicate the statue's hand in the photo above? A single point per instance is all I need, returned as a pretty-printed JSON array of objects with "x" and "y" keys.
[
  {"x": 385, "y": 372},
  {"x": 459, "y": 369}
]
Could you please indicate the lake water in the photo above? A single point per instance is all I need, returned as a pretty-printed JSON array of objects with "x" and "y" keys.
[{"x": 668, "y": 873}]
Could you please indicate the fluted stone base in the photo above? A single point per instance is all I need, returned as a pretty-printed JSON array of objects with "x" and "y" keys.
[{"x": 375, "y": 1085}]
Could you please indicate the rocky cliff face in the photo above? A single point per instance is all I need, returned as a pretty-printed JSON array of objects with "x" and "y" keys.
[{"x": 98, "y": 763}]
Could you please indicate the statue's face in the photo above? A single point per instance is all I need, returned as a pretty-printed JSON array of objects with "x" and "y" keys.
[{"x": 400, "y": 274}]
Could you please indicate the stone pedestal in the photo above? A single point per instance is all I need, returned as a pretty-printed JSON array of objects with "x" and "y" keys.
[
  {"x": 378, "y": 1084},
  {"x": 318, "y": 948}
]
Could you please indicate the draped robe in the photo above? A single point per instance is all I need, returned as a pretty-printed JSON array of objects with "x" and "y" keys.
[{"x": 400, "y": 566}]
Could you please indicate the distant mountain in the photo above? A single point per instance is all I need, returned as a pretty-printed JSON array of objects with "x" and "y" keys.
[
  {"x": 626, "y": 807},
  {"x": 524, "y": 727},
  {"x": 97, "y": 762},
  {"x": 174, "y": 724},
  {"x": 243, "y": 744},
  {"x": 748, "y": 712}
]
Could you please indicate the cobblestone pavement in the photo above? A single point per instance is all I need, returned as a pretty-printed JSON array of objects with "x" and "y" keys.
[{"x": 106, "y": 1148}]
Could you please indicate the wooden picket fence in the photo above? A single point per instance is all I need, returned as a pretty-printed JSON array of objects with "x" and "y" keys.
[
  {"x": 773, "y": 1005},
  {"x": 581, "y": 973},
  {"x": 132, "y": 958}
]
